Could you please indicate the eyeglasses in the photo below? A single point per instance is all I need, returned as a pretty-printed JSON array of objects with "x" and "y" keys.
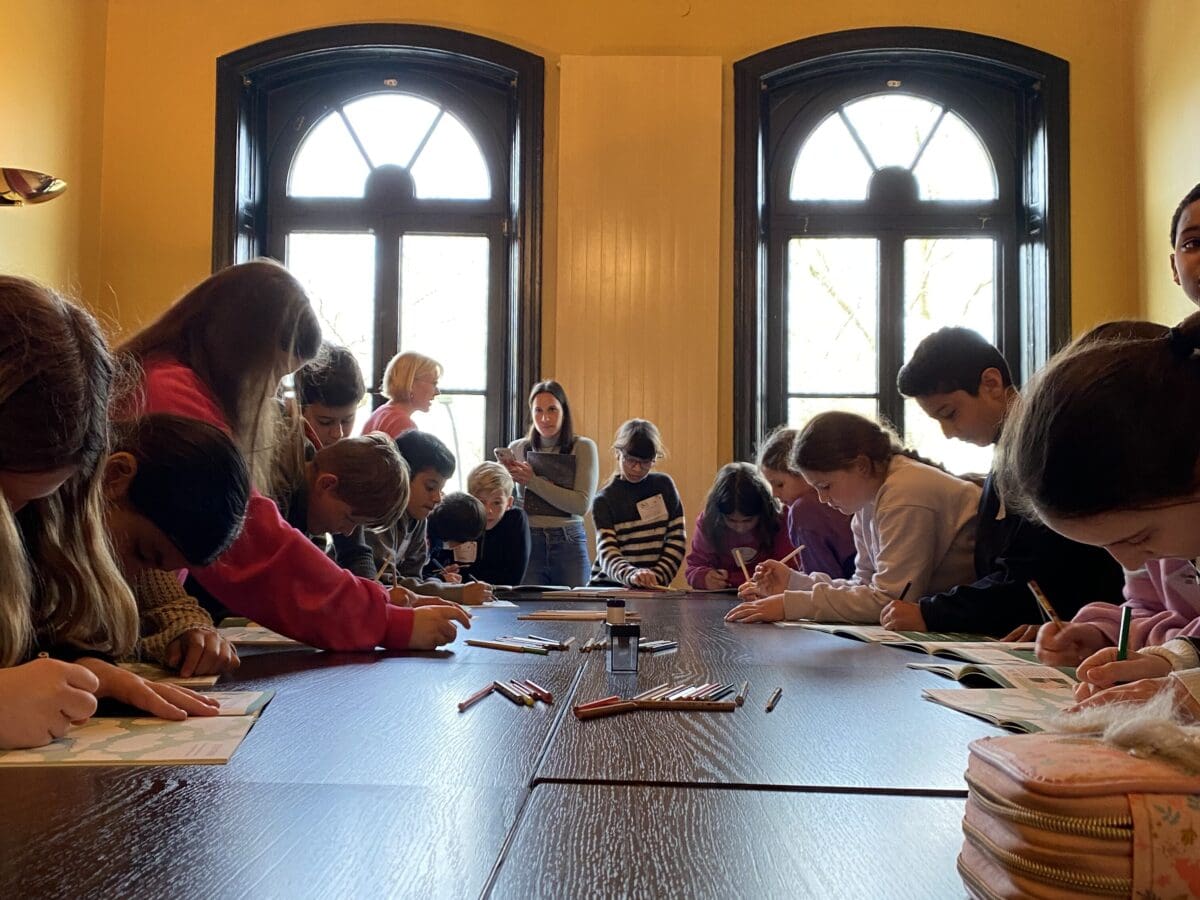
[{"x": 637, "y": 462}]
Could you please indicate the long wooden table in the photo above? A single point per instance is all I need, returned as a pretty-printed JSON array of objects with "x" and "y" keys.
[{"x": 362, "y": 779}]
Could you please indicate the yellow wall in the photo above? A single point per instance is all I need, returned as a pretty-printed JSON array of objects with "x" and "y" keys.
[
  {"x": 51, "y": 104},
  {"x": 1168, "y": 142}
]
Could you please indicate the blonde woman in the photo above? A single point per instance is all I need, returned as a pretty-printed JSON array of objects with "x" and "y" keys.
[
  {"x": 410, "y": 382},
  {"x": 62, "y": 597}
]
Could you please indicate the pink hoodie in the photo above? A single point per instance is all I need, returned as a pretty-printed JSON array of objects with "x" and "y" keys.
[{"x": 1165, "y": 599}]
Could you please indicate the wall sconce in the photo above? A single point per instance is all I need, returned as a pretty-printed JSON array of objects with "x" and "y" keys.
[{"x": 21, "y": 186}]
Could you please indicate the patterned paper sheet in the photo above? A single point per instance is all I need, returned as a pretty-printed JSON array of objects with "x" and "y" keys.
[
  {"x": 151, "y": 672},
  {"x": 1020, "y": 709},
  {"x": 129, "y": 742},
  {"x": 252, "y": 635}
]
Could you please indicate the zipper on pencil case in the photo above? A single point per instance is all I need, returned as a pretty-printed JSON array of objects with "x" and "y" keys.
[
  {"x": 1114, "y": 828},
  {"x": 1106, "y": 885}
]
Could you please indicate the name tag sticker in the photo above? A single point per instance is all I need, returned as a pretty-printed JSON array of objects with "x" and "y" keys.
[
  {"x": 465, "y": 553},
  {"x": 652, "y": 509}
]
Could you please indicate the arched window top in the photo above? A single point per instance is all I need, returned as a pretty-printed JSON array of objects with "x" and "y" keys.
[
  {"x": 425, "y": 141},
  {"x": 900, "y": 136}
]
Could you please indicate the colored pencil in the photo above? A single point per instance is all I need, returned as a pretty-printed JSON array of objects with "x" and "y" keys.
[
  {"x": 1044, "y": 602},
  {"x": 512, "y": 648},
  {"x": 508, "y": 692},
  {"x": 904, "y": 593},
  {"x": 741, "y": 695},
  {"x": 523, "y": 692},
  {"x": 540, "y": 692},
  {"x": 741, "y": 562},
  {"x": 646, "y": 695},
  {"x": 774, "y": 698},
  {"x": 787, "y": 559},
  {"x": 1123, "y": 637},
  {"x": 476, "y": 697}
]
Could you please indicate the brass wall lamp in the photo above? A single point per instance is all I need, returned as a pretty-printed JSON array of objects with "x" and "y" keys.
[{"x": 21, "y": 186}]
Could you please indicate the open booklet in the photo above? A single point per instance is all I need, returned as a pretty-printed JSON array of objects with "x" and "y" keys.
[
  {"x": 152, "y": 672},
  {"x": 976, "y": 648},
  {"x": 141, "y": 741},
  {"x": 1015, "y": 675},
  {"x": 1018, "y": 709}
]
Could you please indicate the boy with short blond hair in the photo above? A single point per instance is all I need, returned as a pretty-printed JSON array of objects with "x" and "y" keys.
[{"x": 503, "y": 553}]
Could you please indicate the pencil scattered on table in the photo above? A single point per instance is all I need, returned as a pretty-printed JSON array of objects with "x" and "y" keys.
[
  {"x": 572, "y": 615},
  {"x": 476, "y": 697},
  {"x": 655, "y": 646},
  {"x": 512, "y": 648},
  {"x": 741, "y": 695},
  {"x": 1044, "y": 602},
  {"x": 774, "y": 698},
  {"x": 704, "y": 698}
]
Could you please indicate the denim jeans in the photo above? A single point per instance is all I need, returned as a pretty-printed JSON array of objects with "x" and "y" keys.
[{"x": 558, "y": 556}]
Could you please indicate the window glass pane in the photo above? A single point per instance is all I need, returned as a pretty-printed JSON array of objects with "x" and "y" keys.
[
  {"x": 801, "y": 409},
  {"x": 391, "y": 126},
  {"x": 328, "y": 164},
  {"x": 892, "y": 126},
  {"x": 832, "y": 315},
  {"x": 459, "y": 421},
  {"x": 451, "y": 166},
  {"x": 830, "y": 166},
  {"x": 947, "y": 281},
  {"x": 443, "y": 304},
  {"x": 955, "y": 165},
  {"x": 338, "y": 270}
]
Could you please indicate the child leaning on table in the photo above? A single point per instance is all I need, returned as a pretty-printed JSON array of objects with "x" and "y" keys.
[
  {"x": 65, "y": 609},
  {"x": 740, "y": 517},
  {"x": 914, "y": 526},
  {"x": 405, "y": 545}
]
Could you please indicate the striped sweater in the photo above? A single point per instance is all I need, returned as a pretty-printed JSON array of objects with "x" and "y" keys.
[{"x": 638, "y": 526}]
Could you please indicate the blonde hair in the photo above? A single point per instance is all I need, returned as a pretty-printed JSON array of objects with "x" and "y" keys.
[
  {"x": 372, "y": 476},
  {"x": 59, "y": 581},
  {"x": 231, "y": 330},
  {"x": 487, "y": 477},
  {"x": 402, "y": 370}
]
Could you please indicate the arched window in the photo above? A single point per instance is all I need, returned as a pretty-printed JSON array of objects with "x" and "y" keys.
[
  {"x": 395, "y": 171},
  {"x": 883, "y": 192}
]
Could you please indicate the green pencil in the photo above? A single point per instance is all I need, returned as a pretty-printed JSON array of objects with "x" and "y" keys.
[{"x": 1123, "y": 639}]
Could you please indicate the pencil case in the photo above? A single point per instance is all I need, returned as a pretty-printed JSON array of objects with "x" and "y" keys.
[{"x": 1059, "y": 815}]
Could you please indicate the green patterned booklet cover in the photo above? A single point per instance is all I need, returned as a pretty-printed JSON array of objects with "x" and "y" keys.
[
  {"x": 1018, "y": 709},
  {"x": 134, "y": 741},
  {"x": 1015, "y": 675}
]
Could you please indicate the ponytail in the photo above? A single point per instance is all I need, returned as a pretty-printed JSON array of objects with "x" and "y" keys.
[{"x": 1109, "y": 423}]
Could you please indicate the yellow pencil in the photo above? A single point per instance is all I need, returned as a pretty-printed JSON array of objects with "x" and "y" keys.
[
  {"x": 787, "y": 559},
  {"x": 1044, "y": 603},
  {"x": 737, "y": 554}
]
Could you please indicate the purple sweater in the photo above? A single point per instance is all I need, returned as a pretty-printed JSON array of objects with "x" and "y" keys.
[
  {"x": 703, "y": 557},
  {"x": 1165, "y": 599},
  {"x": 825, "y": 535}
]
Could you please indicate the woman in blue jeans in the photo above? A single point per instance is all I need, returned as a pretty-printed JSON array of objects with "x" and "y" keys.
[{"x": 556, "y": 472}]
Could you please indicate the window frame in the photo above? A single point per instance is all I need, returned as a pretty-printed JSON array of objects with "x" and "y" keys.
[
  {"x": 242, "y": 213},
  {"x": 1036, "y": 272}
]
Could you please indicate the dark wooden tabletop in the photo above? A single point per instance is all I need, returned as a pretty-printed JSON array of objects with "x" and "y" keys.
[
  {"x": 625, "y": 841},
  {"x": 362, "y": 778}
]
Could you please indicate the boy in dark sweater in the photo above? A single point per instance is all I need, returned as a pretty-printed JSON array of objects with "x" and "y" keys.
[
  {"x": 963, "y": 382},
  {"x": 503, "y": 553},
  {"x": 455, "y": 531}
]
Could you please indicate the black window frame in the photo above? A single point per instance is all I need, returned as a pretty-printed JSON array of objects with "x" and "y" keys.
[
  {"x": 1033, "y": 279},
  {"x": 250, "y": 218}
]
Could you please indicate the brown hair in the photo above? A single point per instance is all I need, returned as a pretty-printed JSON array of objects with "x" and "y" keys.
[
  {"x": 1107, "y": 424},
  {"x": 231, "y": 330},
  {"x": 58, "y": 577},
  {"x": 566, "y": 434},
  {"x": 775, "y": 451},
  {"x": 834, "y": 440},
  {"x": 739, "y": 488},
  {"x": 372, "y": 476}
]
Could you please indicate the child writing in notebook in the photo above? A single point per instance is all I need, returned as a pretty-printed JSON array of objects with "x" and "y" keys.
[
  {"x": 218, "y": 354},
  {"x": 404, "y": 548},
  {"x": 914, "y": 526},
  {"x": 504, "y": 551},
  {"x": 410, "y": 382},
  {"x": 742, "y": 524},
  {"x": 347, "y": 488},
  {"x": 640, "y": 539},
  {"x": 822, "y": 531},
  {"x": 455, "y": 529},
  {"x": 963, "y": 382},
  {"x": 65, "y": 609},
  {"x": 329, "y": 390},
  {"x": 175, "y": 494}
]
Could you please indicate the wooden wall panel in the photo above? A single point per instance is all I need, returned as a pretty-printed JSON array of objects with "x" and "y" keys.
[{"x": 638, "y": 278}]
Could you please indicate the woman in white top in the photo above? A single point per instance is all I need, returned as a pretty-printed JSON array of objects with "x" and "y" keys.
[
  {"x": 556, "y": 473},
  {"x": 914, "y": 527}
]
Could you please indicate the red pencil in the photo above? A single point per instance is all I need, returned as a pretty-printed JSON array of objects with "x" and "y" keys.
[{"x": 476, "y": 697}]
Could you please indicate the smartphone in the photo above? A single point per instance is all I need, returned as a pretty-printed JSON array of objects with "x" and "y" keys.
[{"x": 504, "y": 455}]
